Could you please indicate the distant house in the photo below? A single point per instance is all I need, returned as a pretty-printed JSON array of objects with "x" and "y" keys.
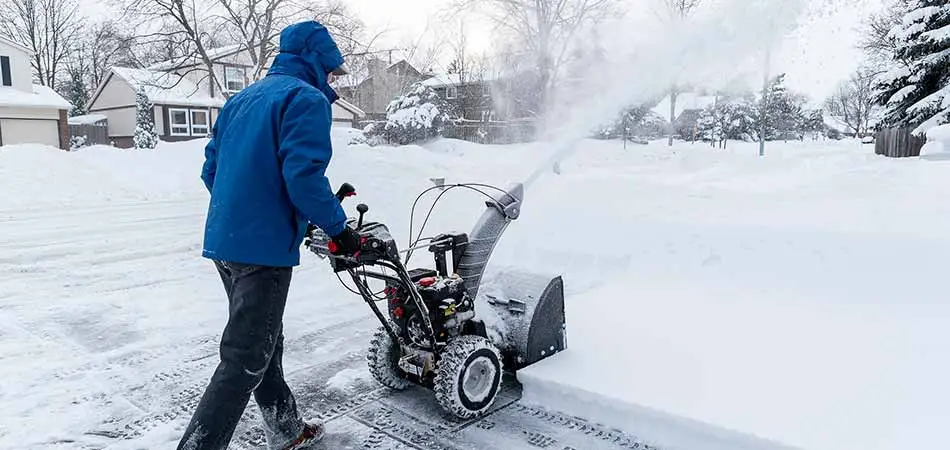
[
  {"x": 29, "y": 113},
  {"x": 377, "y": 84},
  {"x": 686, "y": 102},
  {"x": 186, "y": 101},
  {"x": 472, "y": 98}
]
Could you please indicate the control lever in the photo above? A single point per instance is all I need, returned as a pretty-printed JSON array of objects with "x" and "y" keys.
[
  {"x": 346, "y": 190},
  {"x": 361, "y": 208}
]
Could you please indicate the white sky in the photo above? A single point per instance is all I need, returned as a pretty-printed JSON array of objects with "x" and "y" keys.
[{"x": 816, "y": 57}]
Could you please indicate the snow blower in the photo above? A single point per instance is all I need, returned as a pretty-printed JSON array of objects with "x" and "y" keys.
[{"x": 430, "y": 333}]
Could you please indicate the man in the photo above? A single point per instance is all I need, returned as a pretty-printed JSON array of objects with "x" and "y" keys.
[{"x": 265, "y": 168}]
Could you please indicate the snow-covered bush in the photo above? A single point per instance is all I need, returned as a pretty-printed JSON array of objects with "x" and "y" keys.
[
  {"x": 635, "y": 123},
  {"x": 77, "y": 142},
  {"x": 728, "y": 120},
  {"x": 145, "y": 135},
  {"x": 417, "y": 116}
]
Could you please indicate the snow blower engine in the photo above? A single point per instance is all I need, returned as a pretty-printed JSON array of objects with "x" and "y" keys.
[{"x": 431, "y": 334}]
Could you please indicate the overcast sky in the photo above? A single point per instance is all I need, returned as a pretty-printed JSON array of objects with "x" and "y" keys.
[{"x": 816, "y": 57}]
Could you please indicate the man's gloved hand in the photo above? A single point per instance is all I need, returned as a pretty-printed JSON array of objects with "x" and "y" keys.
[{"x": 346, "y": 243}]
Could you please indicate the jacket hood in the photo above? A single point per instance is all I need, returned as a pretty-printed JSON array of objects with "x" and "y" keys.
[{"x": 309, "y": 53}]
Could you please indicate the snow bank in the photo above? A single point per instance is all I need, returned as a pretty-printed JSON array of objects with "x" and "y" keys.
[
  {"x": 36, "y": 175},
  {"x": 798, "y": 299},
  {"x": 938, "y": 143}
]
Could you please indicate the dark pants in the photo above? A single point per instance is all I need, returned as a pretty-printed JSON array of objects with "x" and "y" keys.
[{"x": 251, "y": 351}]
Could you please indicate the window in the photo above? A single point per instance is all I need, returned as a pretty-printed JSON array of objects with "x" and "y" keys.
[
  {"x": 486, "y": 90},
  {"x": 234, "y": 78},
  {"x": 452, "y": 92},
  {"x": 179, "y": 123},
  {"x": 5, "y": 71},
  {"x": 199, "y": 122}
]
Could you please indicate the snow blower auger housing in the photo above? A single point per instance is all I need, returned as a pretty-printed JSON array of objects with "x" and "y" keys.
[{"x": 430, "y": 333}]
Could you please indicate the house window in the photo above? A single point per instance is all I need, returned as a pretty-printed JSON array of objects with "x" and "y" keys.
[
  {"x": 179, "y": 122},
  {"x": 199, "y": 122},
  {"x": 5, "y": 71},
  {"x": 452, "y": 92},
  {"x": 486, "y": 90},
  {"x": 234, "y": 78}
]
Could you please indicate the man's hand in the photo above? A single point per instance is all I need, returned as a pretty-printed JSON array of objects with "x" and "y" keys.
[{"x": 347, "y": 243}]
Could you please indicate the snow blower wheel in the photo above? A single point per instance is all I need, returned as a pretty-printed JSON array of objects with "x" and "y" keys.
[
  {"x": 468, "y": 376},
  {"x": 430, "y": 333},
  {"x": 383, "y": 360}
]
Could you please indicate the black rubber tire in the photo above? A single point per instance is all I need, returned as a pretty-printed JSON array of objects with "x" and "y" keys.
[
  {"x": 383, "y": 360},
  {"x": 458, "y": 355}
]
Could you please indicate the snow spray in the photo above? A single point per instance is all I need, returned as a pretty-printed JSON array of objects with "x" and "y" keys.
[{"x": 722, "y": 43}]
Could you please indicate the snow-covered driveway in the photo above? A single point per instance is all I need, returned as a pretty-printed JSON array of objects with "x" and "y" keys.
[{"x": 801, "y": 298}]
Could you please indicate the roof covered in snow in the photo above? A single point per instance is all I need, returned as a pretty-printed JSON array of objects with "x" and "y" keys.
[
  {"x": 452, "y": 79},
  {"x": 41, "y": 97},
  {"x": 88, "y": 119},
  {"x": 20, "y": 47},
  {"x": 167, "y": 88},
  {"x": 194, "y": 59},
  {"x": 685, "y": 101},
  {"x": 355, "y": 110}
]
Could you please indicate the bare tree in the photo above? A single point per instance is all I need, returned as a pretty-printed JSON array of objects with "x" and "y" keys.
[
  {"x": 48, "y": 28},
  {"x": 104, "y": 45},
  {"x": 186, "y": 27},
  {"x": 256, "y": 24},
  {"x": 675, "y": 12},
  {"x": 878, "y": 41},
  {"x": 544, "y": 30},
  {"x": 853, "y": 102}
]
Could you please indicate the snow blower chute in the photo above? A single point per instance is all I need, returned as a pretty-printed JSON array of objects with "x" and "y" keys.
[{"x": 430, "y": 332}]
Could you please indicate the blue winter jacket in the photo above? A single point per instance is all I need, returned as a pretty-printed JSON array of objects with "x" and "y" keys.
[{"x": 266, "y": 161}]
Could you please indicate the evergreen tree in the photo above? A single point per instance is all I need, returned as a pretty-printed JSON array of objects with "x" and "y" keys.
[
  {"x": 814, "y": 123},
  {"x": 916, "y": 92},
  {"x": 418, "y": 115},
  {"x": 145, "y": 135},
  {"x": 783, "y": 112},
  {"x": 76, "y": 94}
]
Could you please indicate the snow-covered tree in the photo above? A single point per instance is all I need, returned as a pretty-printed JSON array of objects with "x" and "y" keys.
[
  {"x": 145, "y": 135},
  {"x": 732, "y": 119},
  {"x": 76, "y": 93},
  {"x": 418, "y": 115},
  {"x": 814, "y": 123},
  {"x": 783, "y": 112},
  {"x": 916, "y": 91}
]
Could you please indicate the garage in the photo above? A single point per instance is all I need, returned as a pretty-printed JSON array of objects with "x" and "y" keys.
[{"x": 29, "y": 131}]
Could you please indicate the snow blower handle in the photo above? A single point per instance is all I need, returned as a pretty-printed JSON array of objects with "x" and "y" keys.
[{"x": 346, "y": 190}]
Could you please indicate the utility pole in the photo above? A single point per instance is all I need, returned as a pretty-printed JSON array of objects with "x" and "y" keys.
[{"x": 765, "y": 101}]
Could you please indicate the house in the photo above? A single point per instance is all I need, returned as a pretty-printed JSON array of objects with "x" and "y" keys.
[
  {"x": 185, "y": 100},
  {"x": 686, "y": 102},
  {"x": 377, "y": 84},
  {"x": 471, "y": 97},
  {"x": 29, "y": 113}
]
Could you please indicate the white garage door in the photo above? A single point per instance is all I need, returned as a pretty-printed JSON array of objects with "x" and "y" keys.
[{"x": 21, "y": 131}]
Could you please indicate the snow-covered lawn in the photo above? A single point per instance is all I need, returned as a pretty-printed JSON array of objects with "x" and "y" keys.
[{"x": 801, "y": 297}]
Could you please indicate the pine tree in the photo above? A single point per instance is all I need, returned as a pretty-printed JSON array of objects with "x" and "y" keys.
[
  {"x": 418, "y": 115},
  {"x": 77, "y": 94},
  {"x": 145, "y": 135},
  {"x": 784, "y": 118},
  {"x": 916, "y": 92}
]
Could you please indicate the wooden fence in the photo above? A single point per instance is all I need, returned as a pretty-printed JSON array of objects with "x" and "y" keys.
[
  {"x": 492, "y": 132},
  {"x": 898, "y": 143},
  {"x": 96, "y": 134}
]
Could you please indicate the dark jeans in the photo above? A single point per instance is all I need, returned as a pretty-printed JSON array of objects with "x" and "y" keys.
[{"x": 251, "y": 351}]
